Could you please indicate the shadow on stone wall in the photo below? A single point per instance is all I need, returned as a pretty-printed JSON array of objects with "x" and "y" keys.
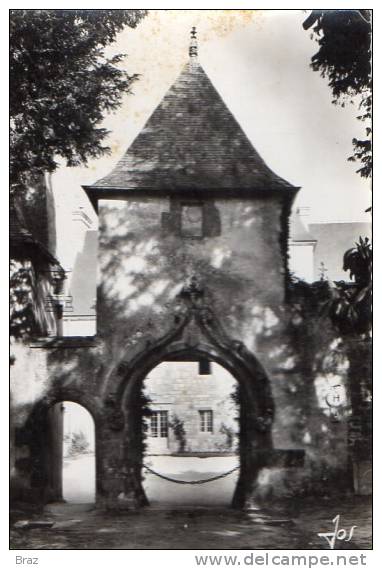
[{"x": 302, "y": 352}]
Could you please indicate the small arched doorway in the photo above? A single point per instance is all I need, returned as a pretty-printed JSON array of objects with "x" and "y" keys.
[
  {"x": 191, "y": 434},
  {"x": 63, "y": 447},
  {"x": 78, "y": 472}
]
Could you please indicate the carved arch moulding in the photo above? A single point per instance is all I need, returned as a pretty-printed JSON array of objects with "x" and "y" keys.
[{"x": 195, "y": 331}]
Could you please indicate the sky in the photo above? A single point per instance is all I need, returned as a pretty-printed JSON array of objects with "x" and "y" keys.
[{"x": 258, "y": 61}]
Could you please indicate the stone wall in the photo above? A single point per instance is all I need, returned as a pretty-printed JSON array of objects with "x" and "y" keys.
[
  {"x": 29, "y": 382},
  {"x": 143, "y": 265},
  {"x": 179, "y": 389}
]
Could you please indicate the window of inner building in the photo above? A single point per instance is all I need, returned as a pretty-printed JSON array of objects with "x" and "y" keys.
[
  {"x": 206, "y": 421},
  {"x": 204, "y": 367},
  {"x": 159, "y": 424},
  {"x": 191, "y": 220}
]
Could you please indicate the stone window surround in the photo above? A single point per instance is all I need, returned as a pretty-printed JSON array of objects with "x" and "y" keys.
[{"x": 210, "y": 224}]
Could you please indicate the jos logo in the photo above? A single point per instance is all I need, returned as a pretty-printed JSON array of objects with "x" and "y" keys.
[{"x": 337, "y": 533}]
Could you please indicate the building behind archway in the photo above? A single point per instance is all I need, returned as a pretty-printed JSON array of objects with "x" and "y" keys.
[{"x": 192, "y": 409}]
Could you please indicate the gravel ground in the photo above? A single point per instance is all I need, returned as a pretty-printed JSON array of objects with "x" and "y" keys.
[
  {"x": 187, "y": 517},
  {"x": 294, "y": 526}
]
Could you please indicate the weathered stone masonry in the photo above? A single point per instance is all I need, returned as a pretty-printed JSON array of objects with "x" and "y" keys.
[{"x": 212, "y": 285}]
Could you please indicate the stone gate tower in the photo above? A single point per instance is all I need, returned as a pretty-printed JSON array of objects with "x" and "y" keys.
[
  {"x": 192, "y": 260},
  {"x": 193, "y": 265}
]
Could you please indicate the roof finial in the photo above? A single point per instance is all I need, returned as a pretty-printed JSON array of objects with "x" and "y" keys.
[{"x": 193, "y": 49}]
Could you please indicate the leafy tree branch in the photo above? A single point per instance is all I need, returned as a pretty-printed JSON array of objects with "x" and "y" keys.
[
  {"x": 344, "y": 59},
  {"x": 62, "y": 84}
]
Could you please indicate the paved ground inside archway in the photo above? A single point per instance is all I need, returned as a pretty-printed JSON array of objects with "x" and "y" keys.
[
  {"x": 218, "y": 493},
  {"x": 79, "y": 478},
  {"x": 292, "y": 526}
]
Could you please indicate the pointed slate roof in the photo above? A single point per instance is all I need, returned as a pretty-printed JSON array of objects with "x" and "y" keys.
[{"x": 191, "y": 142}]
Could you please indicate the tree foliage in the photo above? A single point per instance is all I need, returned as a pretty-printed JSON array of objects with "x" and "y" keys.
[
  {"x": 354, "y": 303},
  {"x": 61, "y": 85},
  {"x": 358, "y": 261},
  {"x": 177, "y": 426},
  {"x": 22, "y": 314},
  {"x": 347, "y": 304},
  {"x": 344, "y": 58},
  {"x": 78, "y": 444}
]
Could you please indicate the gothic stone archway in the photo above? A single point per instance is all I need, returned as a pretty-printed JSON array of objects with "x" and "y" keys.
[{"x": 196, "y": 332}]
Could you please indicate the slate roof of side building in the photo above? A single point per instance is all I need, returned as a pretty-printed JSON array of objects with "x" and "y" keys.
[
  {"x": 191, "y": 142},
  {"x": 22, "y": 242}
]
